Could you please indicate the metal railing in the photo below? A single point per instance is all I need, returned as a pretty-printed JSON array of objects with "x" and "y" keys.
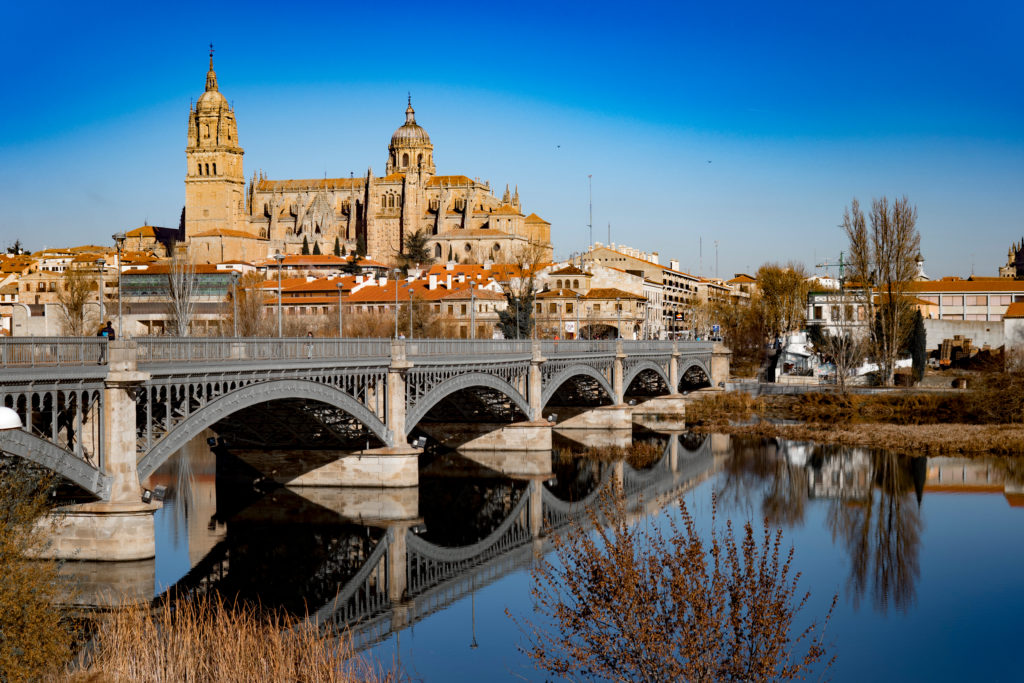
[
  {"x": 466, "y": 347},
  {"x": 551, "y": 347},
  {"x": 71, "y": 351},
  {"x": 169, "y": 350},
  {"x": 31, "y": 352}
]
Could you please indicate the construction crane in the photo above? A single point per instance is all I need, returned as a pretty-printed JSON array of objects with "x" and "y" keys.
[{"x": 840, "y": 264}]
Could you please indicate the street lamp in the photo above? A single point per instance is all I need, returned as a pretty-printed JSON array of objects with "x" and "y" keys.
[
  {"x": 411, "y": 335},
  {"x": 394, "y": 273},
  {"x": 9, "y": 419},
  {"x": 280, "y": 323},
  {"x": 577, "y": 316},
  {"x": 341, "y": 323},
  {"x": 618, "y": 319},
  {"x": 472, "y": 311},
  {"x": 100, "y": 264},
  {"x": 234, "y": 302},
  {"x": 119, "y": 239}
]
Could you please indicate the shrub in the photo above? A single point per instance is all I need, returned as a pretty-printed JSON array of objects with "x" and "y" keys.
[{"x": 629, "y": 603}]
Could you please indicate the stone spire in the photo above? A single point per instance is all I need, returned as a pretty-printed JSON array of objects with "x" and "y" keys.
[
  {"x": 211, "y": 75},
  {"x": 410, "y": 113},
  {"x": 506, "y": 199}
]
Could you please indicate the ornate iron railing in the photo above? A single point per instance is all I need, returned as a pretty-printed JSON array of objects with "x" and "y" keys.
[
  {"x": 32, "y": 352},
  {"x": 172, "y": 350}
]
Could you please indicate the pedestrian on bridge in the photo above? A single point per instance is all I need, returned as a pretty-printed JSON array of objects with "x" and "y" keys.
[{"x": 108, "y": 335}]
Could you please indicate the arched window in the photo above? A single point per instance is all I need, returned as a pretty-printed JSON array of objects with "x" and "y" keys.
[
  {"x": 558, "y": 284},
  {"x": 215, "y": 168},
  {"x": 437, "y": 251},
  {"x": 207, "y": 169},
  {"x": 199, "y": 169},
  {"x": 405, "y": 159},
  {"x": 496, "y": 247},
  {"x": 419, "y": 160},
  {"x": 468, "y": 247},
  {"x": 575, "y": 284}
]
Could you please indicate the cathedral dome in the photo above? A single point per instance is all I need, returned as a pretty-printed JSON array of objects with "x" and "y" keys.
[
  {"x": 212, "y": 99},
  {"x": 410, "y": 132}
]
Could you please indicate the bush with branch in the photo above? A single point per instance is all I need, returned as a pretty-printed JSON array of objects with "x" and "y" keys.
[
  {"x": 36, "y": 634},
  {"x": 630, "y": 602}
]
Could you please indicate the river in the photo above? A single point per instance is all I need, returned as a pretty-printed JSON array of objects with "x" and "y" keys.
[{"x": 924, "y": 553}]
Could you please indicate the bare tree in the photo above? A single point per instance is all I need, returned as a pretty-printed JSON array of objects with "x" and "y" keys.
[
  {"x": 251, "y": 303},
  {"x": 76, "y": 291},
  {"x": 181, "y": 289},
  {"x": 883, "y": 259},
  {"x": 844, "y": 348},
  {"x": 783, "y": 300}
]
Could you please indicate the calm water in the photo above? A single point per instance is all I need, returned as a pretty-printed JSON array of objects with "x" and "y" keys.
[{"x": 926, "y": 555}]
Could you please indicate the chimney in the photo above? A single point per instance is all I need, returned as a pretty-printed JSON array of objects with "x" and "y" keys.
[
  {"x": 433, "y": 281},
  {"x": 673, "y": 264},
  {"x": 359, "y": 279},
  {"x": 462, "y": 277},
  {"x": 384, "y": 280},
  {"x": 449, "y": 266},
  {"x": 449, "y": 284},
  {"x": 654, "y": 257}
]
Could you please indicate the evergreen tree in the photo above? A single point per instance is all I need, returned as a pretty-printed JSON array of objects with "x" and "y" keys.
[
  {"x": 343, "y": 251},
  {"x": 337, "y": 247},
  {"x": 305, "y": 246},
  {"x": 416, "y": 250},
  {"x": 316, "y": 248},
  {"x": 919, "y": 346},
  {"x": 516, "y": 321},
  {"x": 360, "y": 246}
]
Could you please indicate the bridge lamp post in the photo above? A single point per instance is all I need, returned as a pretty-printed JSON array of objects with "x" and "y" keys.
[
  {"x": 119, "y": 239},
  {"x": 9, "y": 419},
  {"x": 100, "y": 265},
  {"x": 411, "y": 335},
  {"x": 618, "y": 318},
  {"x": 472, "y": 311},
  {"x": 578, "y": 317},
  {"x": 341, "y": 321},
  {"x": 394, "y": 273},
  {"x": 234, "y": 303},
  {"x": 280, "y": 322}
]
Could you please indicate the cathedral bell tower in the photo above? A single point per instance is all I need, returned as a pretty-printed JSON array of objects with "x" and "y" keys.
[
  {"x": 214, "y": 183},
  {"x": 410, "y": 149}
]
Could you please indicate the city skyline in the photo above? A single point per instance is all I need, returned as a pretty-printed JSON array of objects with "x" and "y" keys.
[{"x": 749, "y": 127}]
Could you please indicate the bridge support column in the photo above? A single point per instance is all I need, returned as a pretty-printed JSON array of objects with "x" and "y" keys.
[
  {"x": 398, "y": 578},
  {"x": 535, "y": 388},
  {"x": 617, "y": 373},
  {"x": 120, "y": 528},
  {"x": 536, "y": 492},
  {"x": 396, "y": 393},
  {"x": 662, "y": 413},
  {"x": 673, "y": 369},
  {"x": 721, "y": 356}
]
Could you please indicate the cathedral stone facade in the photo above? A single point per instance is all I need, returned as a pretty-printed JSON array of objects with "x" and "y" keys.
[{"x": 228, "y": 219}]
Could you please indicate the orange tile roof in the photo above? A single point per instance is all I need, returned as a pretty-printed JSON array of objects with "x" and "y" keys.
[
  {"x": 313, "y": 183},
  {"x": 421, "y": 292},
  {"x": 956, "y": 285},
  {"x": 650, "y": 263},
  {"x": 534, "y": 218},
  {"x": 391, "y": 178},
  {"x": 570, "y": 270},
  {"x": 611, "y": 293},
  {"x": 741, "y": 278},
  {"x": 144, "y": 231},
  {"x": 472, "y": 232},
  {"x": 1015, "y": 310},
  {"x": 446, "y": 180},
  {"x": 226, "y": 232},
  {"x": 507, "y": 210},
  {"x": 322, "y": 284},
  {"x": 558, "y": 294}
]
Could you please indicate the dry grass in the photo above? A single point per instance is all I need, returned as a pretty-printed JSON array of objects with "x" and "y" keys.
[
  {"x": 207, "y": 640},
  {"x": 930, "y": 439},
  {"x": 639, "y": 454}
]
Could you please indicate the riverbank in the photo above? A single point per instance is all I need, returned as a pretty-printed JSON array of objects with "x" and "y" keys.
[{"x": 986, "y": 421}]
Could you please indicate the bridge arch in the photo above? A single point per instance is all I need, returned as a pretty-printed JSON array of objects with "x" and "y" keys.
[
  {"x": 469, "y": 380},
  {"x": 556, "y": 382},
  {"x": 643, "y": 365},
  {"x": 687, "y": 364},
  {"x": 254, "y": 394},
  {"x": 68, "y": 465}
]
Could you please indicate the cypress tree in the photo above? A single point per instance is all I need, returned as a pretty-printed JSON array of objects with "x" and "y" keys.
[
  {"x": 305, "y": 246},
  {"x": 919, "y": 346},
  {"x": 337, "y": 247},
  {"x": 316, "y": 248}
]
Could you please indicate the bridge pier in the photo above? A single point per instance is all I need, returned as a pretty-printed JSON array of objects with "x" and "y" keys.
[
  {"x": 122, "y": 527},
  {"x": 721, "y": 357},
  {"x": 662, "y": 413}
]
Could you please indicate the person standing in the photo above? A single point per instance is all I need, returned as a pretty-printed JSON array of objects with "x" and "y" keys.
[{"x": 108, "y": 336}]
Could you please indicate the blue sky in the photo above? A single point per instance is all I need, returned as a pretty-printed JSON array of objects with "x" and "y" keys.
[{"x": 752, "y": 124}]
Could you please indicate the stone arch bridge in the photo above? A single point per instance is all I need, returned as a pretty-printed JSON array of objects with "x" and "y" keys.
[{"x": 105, "y": 415}]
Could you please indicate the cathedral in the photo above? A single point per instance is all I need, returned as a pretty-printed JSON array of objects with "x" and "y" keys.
[{"x": 228, "y": 219}]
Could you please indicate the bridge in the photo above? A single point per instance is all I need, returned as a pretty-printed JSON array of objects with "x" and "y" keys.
[{"x": 104, "y": 416}]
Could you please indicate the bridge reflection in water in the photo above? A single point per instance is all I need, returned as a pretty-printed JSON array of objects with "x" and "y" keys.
[{"x": 376, "y": 569}]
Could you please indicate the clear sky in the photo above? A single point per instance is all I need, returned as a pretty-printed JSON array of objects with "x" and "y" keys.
[{"x": 750, "y": 124}]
